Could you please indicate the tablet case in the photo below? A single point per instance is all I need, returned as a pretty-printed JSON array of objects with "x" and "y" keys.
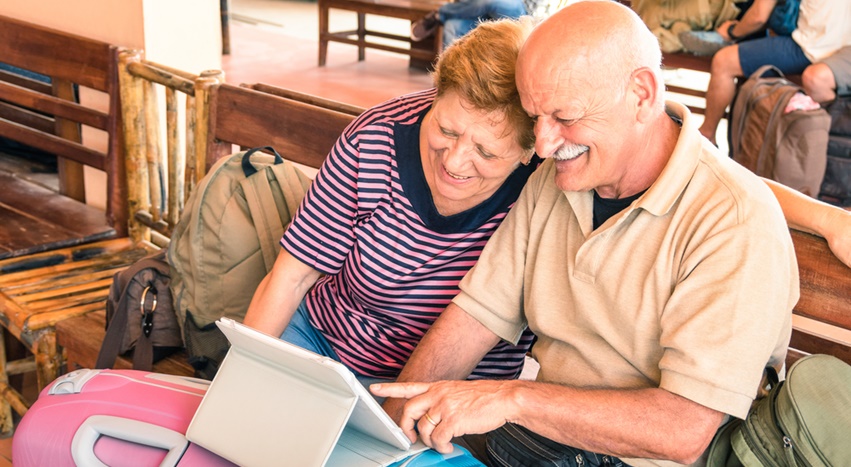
[{"x": 273, "y": 402}]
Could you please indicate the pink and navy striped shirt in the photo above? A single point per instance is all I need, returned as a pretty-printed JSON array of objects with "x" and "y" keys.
[{"x": 392, "y": 263}]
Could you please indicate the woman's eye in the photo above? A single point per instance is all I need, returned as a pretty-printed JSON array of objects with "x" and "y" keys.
[
  {"x": 448, "y": 133},
  {"x": 486, "y": 155}
]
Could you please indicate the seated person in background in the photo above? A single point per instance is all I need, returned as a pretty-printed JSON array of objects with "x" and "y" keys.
[
  {"x": 829, "y": 78},
  {"x": 401, "y": 210},
  {"x": 460, "y": 17},
  {"x": 639, "y": 256},
  {"x": 822, "y": 30}
]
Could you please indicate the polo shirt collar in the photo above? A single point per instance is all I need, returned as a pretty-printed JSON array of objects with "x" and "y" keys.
[{"x": 668, "y": 187}]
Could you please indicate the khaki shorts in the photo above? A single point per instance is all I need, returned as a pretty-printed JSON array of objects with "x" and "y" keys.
[{"x": 840, "y": 64}]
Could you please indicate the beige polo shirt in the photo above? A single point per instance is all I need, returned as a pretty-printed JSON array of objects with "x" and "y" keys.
[{"x": 689, "y": 289}]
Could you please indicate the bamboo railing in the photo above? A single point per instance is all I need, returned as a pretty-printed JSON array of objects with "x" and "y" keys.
[{"x": 165, "y": 169}]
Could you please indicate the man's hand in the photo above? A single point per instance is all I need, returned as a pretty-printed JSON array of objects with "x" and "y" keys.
[{"x": 443, "y": 410}]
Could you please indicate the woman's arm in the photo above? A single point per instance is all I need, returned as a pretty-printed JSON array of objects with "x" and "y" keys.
[
  {"x": 279, "y": 294},
  {"x": 813, "y": 216}
]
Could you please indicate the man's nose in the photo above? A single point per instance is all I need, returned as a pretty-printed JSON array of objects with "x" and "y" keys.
[{"x": 547, "y": 137}]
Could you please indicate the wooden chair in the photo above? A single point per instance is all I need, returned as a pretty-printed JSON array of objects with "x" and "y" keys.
[
  {"x": 49, "y": 239},
  {"x": 77, "y": 93},
  {"x": 39, "y": 291},
  {"x": 301, "y": 127},
  {"x": 423, "y": 53}
]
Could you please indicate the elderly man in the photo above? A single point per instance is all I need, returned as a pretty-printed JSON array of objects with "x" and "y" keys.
[{"x": 658, "y": 275}]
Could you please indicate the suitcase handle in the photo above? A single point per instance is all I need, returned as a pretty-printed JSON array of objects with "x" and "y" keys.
[{"x": 146, "y": 434}]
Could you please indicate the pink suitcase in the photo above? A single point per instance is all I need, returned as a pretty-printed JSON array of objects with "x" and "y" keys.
[{"x": 113, "y": 417}]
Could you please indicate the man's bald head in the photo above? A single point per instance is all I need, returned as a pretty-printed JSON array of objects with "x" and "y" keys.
[{"x": 598, "y": 43}]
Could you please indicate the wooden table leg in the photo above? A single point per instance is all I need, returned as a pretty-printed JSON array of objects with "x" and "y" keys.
[
  {"x": 361, "y": 36},
  {"x": 323, "y": 31}
]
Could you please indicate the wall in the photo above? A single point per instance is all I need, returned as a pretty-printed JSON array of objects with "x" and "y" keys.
[{"x": 183, "y": 34}]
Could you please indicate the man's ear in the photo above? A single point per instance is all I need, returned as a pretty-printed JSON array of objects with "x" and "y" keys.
[{"x": 644, "y": 85}]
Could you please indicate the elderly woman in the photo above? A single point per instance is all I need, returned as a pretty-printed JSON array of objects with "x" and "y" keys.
[
  {"x": 405, "y": 203},
  {"x": 401, "y": 210}
]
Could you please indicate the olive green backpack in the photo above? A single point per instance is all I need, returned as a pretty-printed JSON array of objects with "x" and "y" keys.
[
  {"x": 226, "y": 241},
  {"x": 803, "y": 421}
]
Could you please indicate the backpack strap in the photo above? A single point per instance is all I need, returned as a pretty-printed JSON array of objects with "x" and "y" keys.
[
  {"x": 263, "y": 210},
  {"x": 120, "y": 317}
]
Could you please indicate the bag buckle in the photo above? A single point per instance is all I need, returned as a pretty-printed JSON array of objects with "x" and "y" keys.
[{"x": 148, "y": 316}]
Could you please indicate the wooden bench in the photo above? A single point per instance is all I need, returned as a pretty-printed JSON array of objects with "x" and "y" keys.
[
  {"x": 61, "y": 87},
  {"x": 61, "y": 97},
  {"x": 42, "y": 290},
  {"x": 423, "y": 53},
  {"x": 301, "y": 127}
]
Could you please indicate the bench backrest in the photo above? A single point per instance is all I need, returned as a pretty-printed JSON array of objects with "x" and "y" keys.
[
  {"x": 822, "y": 317},
  {"x": 301, "y": 127},
  {"x": 50, "y": 116}
]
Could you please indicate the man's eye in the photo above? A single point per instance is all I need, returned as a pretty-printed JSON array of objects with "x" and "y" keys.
[{"x": 448, "y": 133}]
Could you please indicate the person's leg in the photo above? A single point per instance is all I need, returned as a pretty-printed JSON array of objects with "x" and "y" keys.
[
  {"x": 301, "y": 333},
  {"x": 469, "y": 9},
  {"x": 824, "y": 81},
  {"x": 721, "y": 89},
  {"x": 453, "y": 29},
  {"x": 819, "y": 82},
  {"x": 743, "y": 59},
  {"x": 505, "y": 9}
]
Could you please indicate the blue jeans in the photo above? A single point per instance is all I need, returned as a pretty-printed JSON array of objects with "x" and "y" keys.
[
  {"x": 461, "y": 17},
  {"x": 301, "y": 333}
]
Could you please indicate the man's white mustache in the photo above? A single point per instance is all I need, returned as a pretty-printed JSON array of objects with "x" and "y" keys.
[{"x": 569, "y": 151}]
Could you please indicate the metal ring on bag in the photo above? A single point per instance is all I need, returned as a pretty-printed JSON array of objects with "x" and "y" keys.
[{"x": 142, "y": 301}]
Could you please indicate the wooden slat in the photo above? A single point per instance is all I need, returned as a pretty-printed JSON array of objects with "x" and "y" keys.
[
  {"x": 318, "y": 101},
  {"x": 53, "y": 105},
  {"x": 14, "y": 269},
  {"x": 248, "y": 118},
  {"x": 53, "y": 144},
  {"x": 26, "y": 117},
  {"x": 49, "y": 52},
  {"x": 35, "y": 218},
  {"x": 825, "y": 282},
  {"x": 25, "y": 81}
]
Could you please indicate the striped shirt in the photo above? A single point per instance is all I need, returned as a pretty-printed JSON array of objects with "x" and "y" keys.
[{"x": 392, "y": 263}]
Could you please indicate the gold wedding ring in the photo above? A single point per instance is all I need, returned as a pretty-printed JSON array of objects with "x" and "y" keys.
[{"x": 430, "y": 420}]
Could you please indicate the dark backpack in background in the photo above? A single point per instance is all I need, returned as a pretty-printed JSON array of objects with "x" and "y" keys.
[
  {"x": 836, "y": 187},
  {"x": 790, "y": 148},
  {"x": 140, "y": 315},
  {"x": 784, "y": 17}
]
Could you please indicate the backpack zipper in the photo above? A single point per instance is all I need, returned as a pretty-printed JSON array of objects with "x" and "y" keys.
[{"x": 756, "y": 447}]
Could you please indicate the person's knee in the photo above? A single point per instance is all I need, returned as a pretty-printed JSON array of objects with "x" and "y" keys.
[
  {"x": 725, "y": 62},
  {"x": 819, "y": 82}
]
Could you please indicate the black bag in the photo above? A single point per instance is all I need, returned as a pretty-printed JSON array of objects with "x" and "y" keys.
[
  {"x": 140, "y": 315},
  {"x": 836, "y": 187},
  {"x": 511, "y": 445}
]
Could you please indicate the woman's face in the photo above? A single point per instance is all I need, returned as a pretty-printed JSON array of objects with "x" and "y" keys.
[{"x": 467, "y": 153}]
